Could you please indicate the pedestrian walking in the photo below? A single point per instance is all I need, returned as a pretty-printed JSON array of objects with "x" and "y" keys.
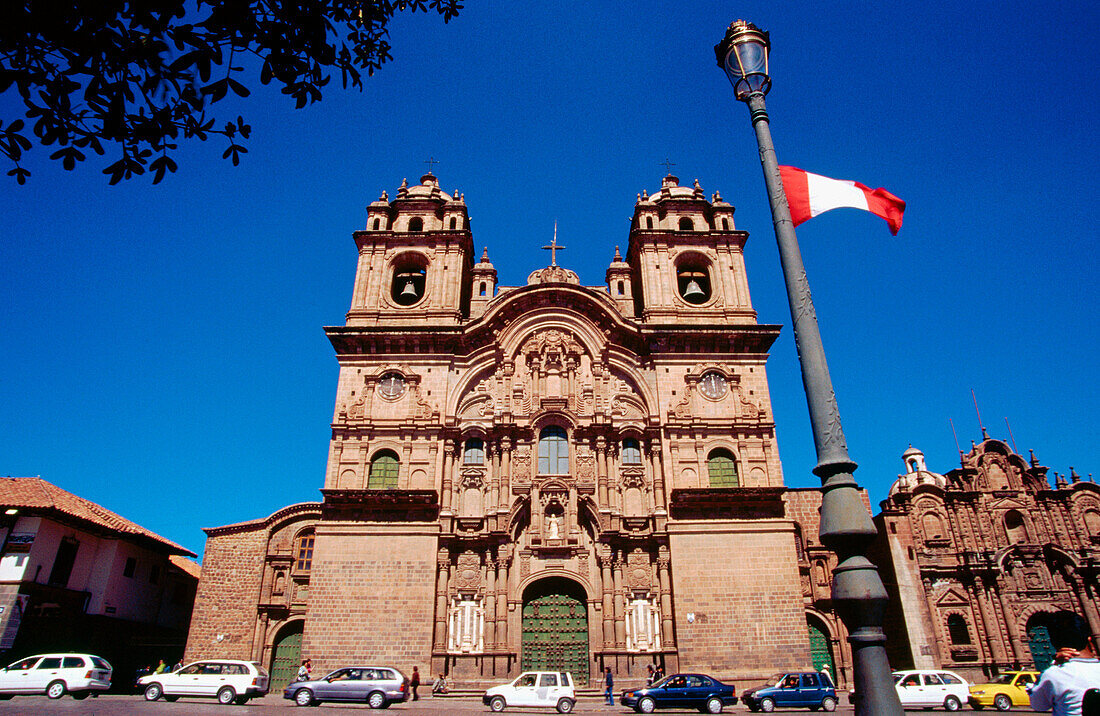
[
  {"x": 650, "y": 673},
  {"x": 414, "y": 682},
  {"x": 610, "y": 682},
  {"x": 1062, "y": 686},
  {"x": 304, "y": 670}
]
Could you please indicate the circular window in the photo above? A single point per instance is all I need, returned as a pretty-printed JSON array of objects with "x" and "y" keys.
[
  {"x": 392, "y": 385},
  {"x": 713, "y": 385}
]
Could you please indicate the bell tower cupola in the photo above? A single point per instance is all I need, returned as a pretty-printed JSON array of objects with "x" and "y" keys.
[{"x": 415, "y": 258}]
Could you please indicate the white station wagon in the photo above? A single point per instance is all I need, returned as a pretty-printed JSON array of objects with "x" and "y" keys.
[
  {"x": 929, "y": 689},
  {"x": 228, "y": 680},
  {"x": 56, "y": 675},
  {"x": 534, "y": 688}
]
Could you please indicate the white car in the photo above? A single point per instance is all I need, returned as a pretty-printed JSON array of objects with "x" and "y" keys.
[
  {"x": 929, "y": 688},
  {"x": 228, "y": 680},
  {"x": 534, "y": 688},
  {"x": 56, "y": 675}
]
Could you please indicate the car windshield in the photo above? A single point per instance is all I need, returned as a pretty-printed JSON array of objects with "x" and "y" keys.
[
  {"x": 775, "y": 679},
  {"x": 1004, "y": 679},
  {"x": 896, "y": 677}
]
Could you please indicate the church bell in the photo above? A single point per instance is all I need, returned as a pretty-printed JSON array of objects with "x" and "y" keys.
[
  {"x": 409, "y": 291},
  {"x": 693, "y": 290}
]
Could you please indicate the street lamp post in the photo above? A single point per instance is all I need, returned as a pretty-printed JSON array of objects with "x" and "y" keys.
[{"x": 846, "y": 528}]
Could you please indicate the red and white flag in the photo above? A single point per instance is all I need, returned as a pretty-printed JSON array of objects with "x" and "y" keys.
[{"x": 810, "y": 194}]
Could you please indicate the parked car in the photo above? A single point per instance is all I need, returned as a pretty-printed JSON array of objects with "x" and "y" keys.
[
  {"x": 1007, "y": 690},
  {"x": 376, "y": 686},
  {"x": 792, "y": 690},
  {"x": 56, "y": 675},
  {"x": 228, "y": 680},
  {"x": 928, "y": 689},
  {"x": 534, "y": 688},
  {"x": 681, "y": 691}
]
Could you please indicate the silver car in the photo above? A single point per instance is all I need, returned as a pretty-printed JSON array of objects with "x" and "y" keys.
[{"x": 377, "y": 686}]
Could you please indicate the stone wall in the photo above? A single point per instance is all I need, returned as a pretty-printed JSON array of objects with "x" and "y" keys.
[
  {"x": 372, "y": 596},
  {"x": 225, "y": 605},
  {"x": 740, "y": 582}
]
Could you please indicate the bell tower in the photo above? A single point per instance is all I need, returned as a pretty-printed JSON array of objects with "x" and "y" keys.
[
  {"x": 686, "y": 258},
  {"x": 415, "y": 259}
]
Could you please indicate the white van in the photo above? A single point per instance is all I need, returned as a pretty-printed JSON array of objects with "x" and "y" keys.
[
  {"x": 56, "y": 675},
  {"x": 228, "y": 680},
  {"x": 552, "y": 689}
]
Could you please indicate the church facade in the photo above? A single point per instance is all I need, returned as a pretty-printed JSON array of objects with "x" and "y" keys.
[
  {"x": 979, "y": 559},
  {"x": 542, "y": 476}
]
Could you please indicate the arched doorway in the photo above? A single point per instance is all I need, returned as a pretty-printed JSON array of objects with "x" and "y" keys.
[
  {"x": 821, "y": 652},
  {"x": 286, "y": 654},
  {"x": 555, "y": 628},
  {"x": 1038, "y": 639}
]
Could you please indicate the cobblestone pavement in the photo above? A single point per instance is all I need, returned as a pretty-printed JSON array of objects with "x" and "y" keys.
[{"x": 112, "y": 705}]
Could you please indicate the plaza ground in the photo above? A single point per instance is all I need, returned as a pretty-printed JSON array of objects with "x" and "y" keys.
[{"x": 112, "y": 705}]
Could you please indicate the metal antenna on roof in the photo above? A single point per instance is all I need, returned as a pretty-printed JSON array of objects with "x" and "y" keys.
[
  {"x": 1011, "y": 437},
  {"x": 956, "y": 435},
  {"x": 985, "y": 436}
]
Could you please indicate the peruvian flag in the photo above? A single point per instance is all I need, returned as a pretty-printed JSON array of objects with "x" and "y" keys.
[{"x": 810, "y": 194}]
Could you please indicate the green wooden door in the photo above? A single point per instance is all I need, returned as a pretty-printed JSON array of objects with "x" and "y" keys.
[
  {"x": 286, "y": 657},
  {"x": 820, "y": 653},
  {"x": 555, "y": 636},
  {"x": 1042, "y": 651}
]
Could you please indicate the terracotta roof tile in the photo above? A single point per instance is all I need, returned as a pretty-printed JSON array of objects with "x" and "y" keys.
[
  {"x": 34, "y": 493},
  {"x": 189, "y": 566}
]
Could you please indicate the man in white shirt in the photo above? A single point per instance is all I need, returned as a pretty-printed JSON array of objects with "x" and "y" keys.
[{"x": 1062, "y": 686}]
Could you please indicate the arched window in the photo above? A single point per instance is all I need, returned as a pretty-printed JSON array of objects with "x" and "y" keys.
[
  {"x": 649, "y": 222},
  {"x": 725, "y": 224},
  {"x": 474, "y": 453},
  {"x": 631, "y": 452},
  {"x": 377, "y": 223},
  {"x": 1092, "y": 522},
  {"x": 1016, "y": 528},
  {"x": 933, "y": 526},
  {"x": 619, "y": 287},
  {"x": 686, "y": 224},
  {"x": 481, "y": 291},
  {"x": 416, "y": 224},
  {"x": 410, "y": 275},
  {"x": 553, "y": 451},
  {"x": 722, "y": 468},
  {"x": 454, "y": 223},
  {"x": 383, "y": 471},
  {"x": 303, "y": 552},
  {"x": 957, "y": 630}
]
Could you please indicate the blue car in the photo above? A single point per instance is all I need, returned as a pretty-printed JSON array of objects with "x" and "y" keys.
[
  {"x": 792, "y": 690},
  {"x": 681, "y": 691}
]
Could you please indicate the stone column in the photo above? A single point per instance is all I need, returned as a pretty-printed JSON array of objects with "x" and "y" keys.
[
  {"x": 493, "y": 460},
  {"x": 658, "y": 472},
  {"x": 448, "y": 468},
  {"x": 489, "y": 638},
  {"x": 989, "y": 621},
  {"x": 363, "y": 465},
  {"x": 663, "y": 561},
  {"x": 502, "y": 604},
  {"x": 601, "y": 470},
  {"x": 1019, "y": 652},
  {"x": 443, "y": 563},
  {"x": 620, "y": 605},
  {"x": 505, "y": 473},
  {"x": 608, "y": 587},
  {"x": 334, "y": 464}
]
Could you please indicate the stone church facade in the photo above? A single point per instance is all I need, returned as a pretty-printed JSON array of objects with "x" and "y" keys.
[
  {"x": 549, "y": 475},
  {"x": 979, "y": 559}
]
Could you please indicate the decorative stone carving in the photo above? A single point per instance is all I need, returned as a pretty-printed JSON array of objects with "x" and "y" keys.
[
  {"x": 473, "y": 477},
  {"x": 632, "y": 477},
  {"x": 468, "y": 572},
  {"x": 521, "y": 463}
]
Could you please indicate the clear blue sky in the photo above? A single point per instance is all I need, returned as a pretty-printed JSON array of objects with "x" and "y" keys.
[{"x": 162, "y": 346}]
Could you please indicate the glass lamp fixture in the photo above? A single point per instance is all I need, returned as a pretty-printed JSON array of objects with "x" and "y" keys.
[{"x": 743, "y": 54}]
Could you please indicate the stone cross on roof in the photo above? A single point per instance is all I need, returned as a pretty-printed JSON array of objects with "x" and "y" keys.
[
  {"x": 553, "y": 247},
  {"x": 431, "y": 161},
  {"x": 668, "y": 165}
]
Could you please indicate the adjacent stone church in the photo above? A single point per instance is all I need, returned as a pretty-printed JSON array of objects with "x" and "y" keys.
[{"x": 543, "y": 476}]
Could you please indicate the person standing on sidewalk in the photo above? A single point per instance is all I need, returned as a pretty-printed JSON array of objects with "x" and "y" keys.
[
  {"x": 414, "y": 682},
  {"x": 610, "y": 682}
]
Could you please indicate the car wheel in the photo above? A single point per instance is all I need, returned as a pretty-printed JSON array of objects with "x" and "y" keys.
[
  {"x": 226, "y": 695},
  {"x": 303, "y": 697},
  {"x": 1001, "y": 702},
  {"x": 153, "y": 692},
  {"x": 56, "y": 689},
  {"x": 828, "y": 704},
  {"x": 952, "y": 703},
  {"x": 767, "y": 705},
  {"x": 714, "y": 705},
  {"x": 376, "y": 700},
  {"x": 497, "y": 704},
  {"x": 80, "y": 695},
  {"x": 564, "y": 706},
  {"x": 646, "y": 705}
]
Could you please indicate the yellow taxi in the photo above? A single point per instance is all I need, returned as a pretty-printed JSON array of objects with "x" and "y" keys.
[{"x": 1008, "y": 690}]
